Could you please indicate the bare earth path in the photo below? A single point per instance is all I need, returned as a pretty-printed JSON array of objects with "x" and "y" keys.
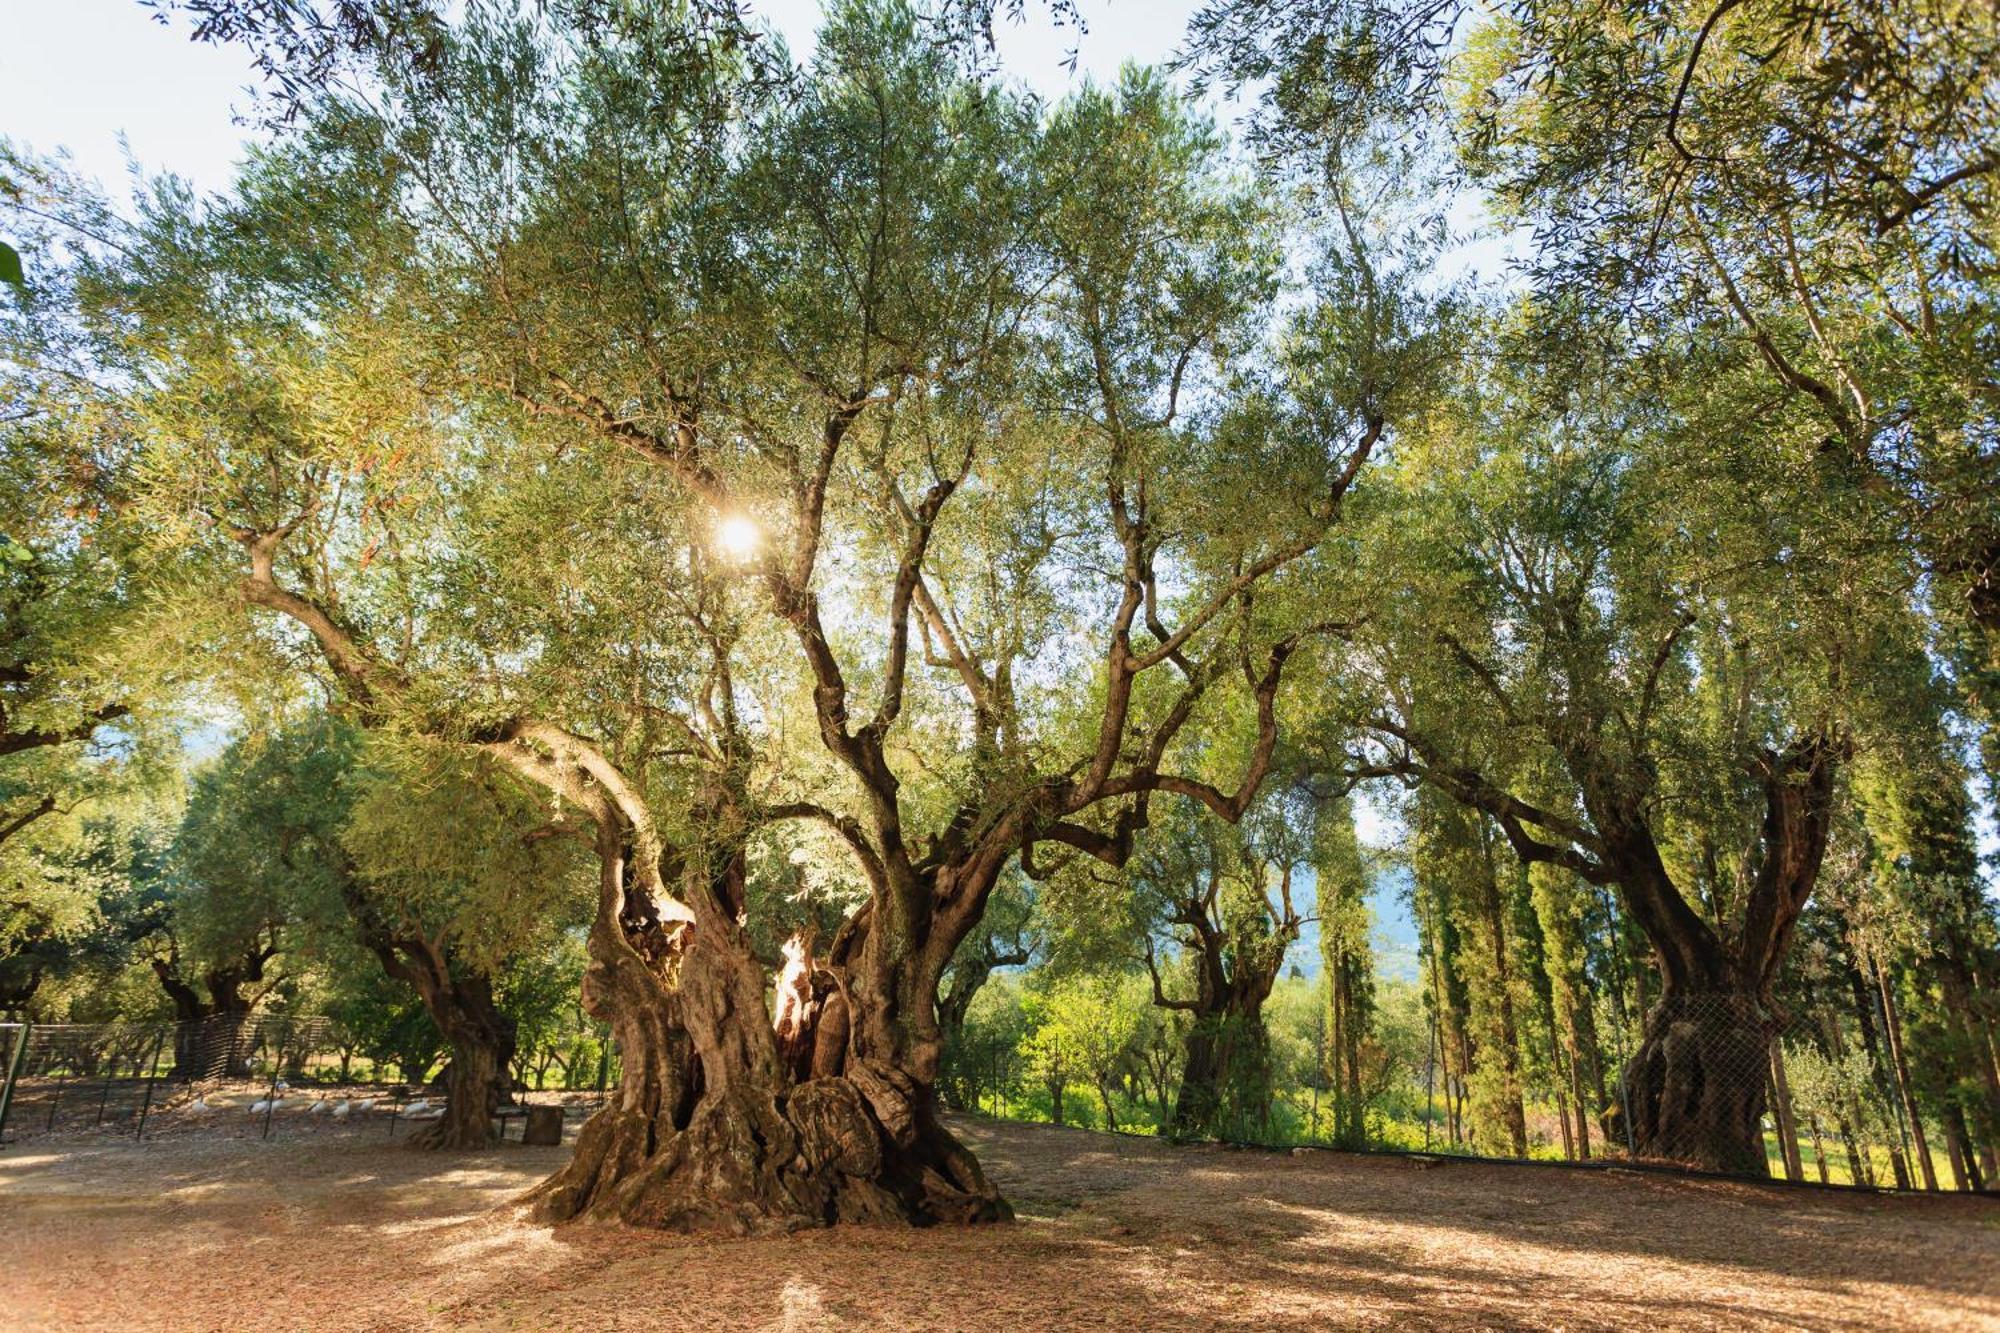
[{"x": 214, "y": 1231}]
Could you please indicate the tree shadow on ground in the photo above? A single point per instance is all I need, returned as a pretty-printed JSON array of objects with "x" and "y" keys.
[
  {"x": 1115, "y": 1233},
  {"x": 1527, "y": 1237}
]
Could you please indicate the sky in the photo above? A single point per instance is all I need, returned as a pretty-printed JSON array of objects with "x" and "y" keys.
[{"x": 94, "y": 76}]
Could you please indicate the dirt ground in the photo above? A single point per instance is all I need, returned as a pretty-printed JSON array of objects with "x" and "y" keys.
[{"x": 219, "y": 1230}]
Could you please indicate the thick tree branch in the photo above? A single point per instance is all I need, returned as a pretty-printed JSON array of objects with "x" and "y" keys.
[
  {"x": 40, "y": 809},
  {"x": 846, "y": 826},
  {"x": 13, "y": 742}
]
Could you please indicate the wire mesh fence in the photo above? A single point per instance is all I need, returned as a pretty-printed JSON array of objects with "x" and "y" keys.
[
  {"x": 1815, "y": 1096},
  {"x": 1709, "y": 1082},
  {"x": 67, "y": 1077},
  {"x": 262, "y": 1074}
]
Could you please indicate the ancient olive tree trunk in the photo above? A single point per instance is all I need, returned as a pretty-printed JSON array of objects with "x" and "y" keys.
[
  {"x": 628, "y": 985},
  {"x": 1696, "y": 1084},
  {"x": 1226, "y": 1070},
  {"x": 732, "y": 1117}
]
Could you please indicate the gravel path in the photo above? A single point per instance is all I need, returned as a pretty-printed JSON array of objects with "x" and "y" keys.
[{"x": 344, "y": 1231}]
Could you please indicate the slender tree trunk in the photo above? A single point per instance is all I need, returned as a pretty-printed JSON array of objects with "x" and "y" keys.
[
  {"x": 1513, "y": 1114},
  {"x": 1349, "y": 1113},
  {"x": 1864, "y": 1014},
  {"x": 1954, "y": 1153},
  {"x": 1592, "y": 1047},
  {"x": 1819, "y": 1148},
  {"x": 1859, "y": 1167},
  {"x": 1333, "y": 1064},
  {"x": 1962, "y": 1012},
  {"x": 1159, "y": 1070},
  {"x": 1893, "y": 1026},
  {"x": 1861, "y": 1171},
  {"x": 1582, "y": 1109},
  {"x": 1354, "y": 1132},
  {"x": 1460, "y": 1089},
  {"x": 1964, "y": 1162},
  {"x": 1788, "y": 1131}
]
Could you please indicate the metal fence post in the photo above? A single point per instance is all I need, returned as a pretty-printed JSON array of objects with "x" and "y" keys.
[
  {"x": 152, "y": 1074},
  {"x": 62, "y": 1081},
  {"x": 14, "y": 1063},
  {"x": 110, "y": 1073}
]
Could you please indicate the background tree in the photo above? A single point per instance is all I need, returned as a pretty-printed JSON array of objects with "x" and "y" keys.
[
  {"x": 456, "y": 878},
  {"x": 1347, "y": 959},
  {"x": 1812, "y": 183},
  {"x": 1004, "y": 937},
  {"x": 1223, "y": 898},
  {"x": 1609, "y": 643},
  {"x": 1078, "y": 1032},
  {"x": 438, "y": 874}
]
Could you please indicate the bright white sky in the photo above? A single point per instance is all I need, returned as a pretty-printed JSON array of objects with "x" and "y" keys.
[{"x": 78, "y": 74}]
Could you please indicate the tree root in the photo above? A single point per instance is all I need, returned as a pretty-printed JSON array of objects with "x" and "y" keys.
[{"x": 862, "y": 1147}]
